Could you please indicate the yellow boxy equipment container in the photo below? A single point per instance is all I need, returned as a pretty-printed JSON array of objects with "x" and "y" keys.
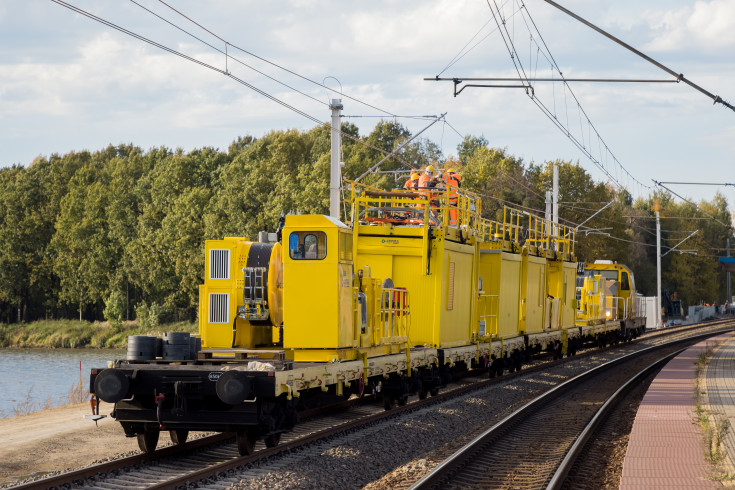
[
  {"x": 500, "y": 292},
  {"x": 240, "y": 302},
  {"x": 318, "y": 273},
  {"x": 438, "y": 272},
  {"x": 331, "y": 312}
]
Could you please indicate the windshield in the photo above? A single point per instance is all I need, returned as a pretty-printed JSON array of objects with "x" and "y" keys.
[{"x": 610, "y": 275}]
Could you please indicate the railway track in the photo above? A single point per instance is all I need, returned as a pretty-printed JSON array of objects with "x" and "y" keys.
[
  {"x": 204, "y": 459},
  {"x": 176, "y": 466},
  {"x": 537, "y": 445}
]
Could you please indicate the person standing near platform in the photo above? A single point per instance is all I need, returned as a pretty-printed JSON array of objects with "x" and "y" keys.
[
  {"x": 453, "y": 182},
  {"x": 413, "y": 182},
  {"x": 428, "y": 181}
]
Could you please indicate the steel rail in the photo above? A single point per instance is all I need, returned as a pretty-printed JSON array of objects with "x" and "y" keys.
[
  {"x": 570, "y": 459},
  {"x": 67, "y": 478},
  {"x": 85, "y": 473},
  {"x": 90, "y": 471},
  {"x": 439, "y": 474}
]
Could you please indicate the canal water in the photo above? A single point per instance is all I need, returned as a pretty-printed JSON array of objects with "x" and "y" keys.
[{"x": 33, "y": 379}]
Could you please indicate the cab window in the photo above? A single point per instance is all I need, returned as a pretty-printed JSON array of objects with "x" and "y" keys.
[
  {"x": 307, "y": 245},
  {"x": 624, "y": 281}
]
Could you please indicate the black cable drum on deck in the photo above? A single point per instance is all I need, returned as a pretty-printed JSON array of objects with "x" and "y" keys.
[
  {"x": 176, "y": 346},
  {"x": 141, "y": 348}
]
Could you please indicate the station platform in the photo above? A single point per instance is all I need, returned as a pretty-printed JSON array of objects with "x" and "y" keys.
[{"x": 666, "y": 448}]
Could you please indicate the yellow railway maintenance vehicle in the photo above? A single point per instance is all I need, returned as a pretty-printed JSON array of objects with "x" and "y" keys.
[
  {"x": 609, "y": 306},
  {"x": 394, "y": 301}
]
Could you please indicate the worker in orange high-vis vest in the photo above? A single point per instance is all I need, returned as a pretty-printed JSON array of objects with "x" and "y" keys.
[
  {"x": 413, "y": 182},
  {"x": 428, "y": 181},
  {"x": 453, "y": 182}
]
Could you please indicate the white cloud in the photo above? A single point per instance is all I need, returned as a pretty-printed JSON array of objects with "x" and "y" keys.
[
  {"x": 68, "y": 83},
  {"x": 705, "y": 25}
]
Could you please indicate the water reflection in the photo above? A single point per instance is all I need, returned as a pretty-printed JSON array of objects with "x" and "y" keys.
[{"x": 31, "y": 379}]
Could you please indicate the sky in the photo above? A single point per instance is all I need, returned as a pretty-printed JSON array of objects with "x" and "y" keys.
[{"x": 69, "y": 83}]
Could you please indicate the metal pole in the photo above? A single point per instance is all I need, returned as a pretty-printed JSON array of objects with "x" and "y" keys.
[
  {"x": 335, "y": 178},
  {"x": 555, "y": 202},
  {"x": 548, "y": 213},
  {"x": 727, "y": 246},
  {"x": 658, "y": 269}
]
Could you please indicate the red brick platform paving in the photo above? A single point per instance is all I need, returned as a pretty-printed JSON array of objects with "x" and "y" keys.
[{"x": 665, "y": 449}]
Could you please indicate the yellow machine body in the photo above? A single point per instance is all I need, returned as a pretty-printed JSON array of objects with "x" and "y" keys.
[
  {"x": 400, "y": 285},
  {"x": 440, "y": 287},
  {"x": 533, "y": 293},
  {"x": 593, "y": 301},
  {"x": 620, "y": 287},
  {"x": 561, "y": 288},
  {"x": 318, "y": 287},
  {"x": 240, "y": 301},
  {"x": 500, "y": 294}
]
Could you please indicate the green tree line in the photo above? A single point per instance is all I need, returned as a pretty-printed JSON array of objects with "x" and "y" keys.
[{"x": 123, "y": 229}]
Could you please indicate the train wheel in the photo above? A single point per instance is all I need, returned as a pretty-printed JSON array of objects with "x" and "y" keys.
[
  {"x": 178, "y": 436},
  {"x": 148, "y": 440},
  {"x": 387, "y": 401},
  {"x": 272, "y": 440},
  {"x": 423, "y": 391},
  {"x": 402, "y": 400},
  {"x": 246, "y": 442},
  {"x": 434, "y": 391}
]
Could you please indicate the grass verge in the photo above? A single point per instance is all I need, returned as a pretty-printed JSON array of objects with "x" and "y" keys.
[
  {"x": 714, "y": 426},
  {"x": 56, "y": 334}
]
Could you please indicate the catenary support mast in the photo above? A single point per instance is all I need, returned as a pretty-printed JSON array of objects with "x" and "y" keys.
[{"x": 335, "y": 178}]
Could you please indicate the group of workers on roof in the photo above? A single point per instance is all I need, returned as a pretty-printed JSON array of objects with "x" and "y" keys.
[{"x": 429, "y": 179}]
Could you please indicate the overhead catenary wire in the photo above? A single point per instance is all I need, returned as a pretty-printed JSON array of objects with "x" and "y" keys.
[
  {"x": 462, "y": 54},
  {"x": 551, "y": 113},
  {"x": 678, "y": 76},
  {"x": 274, "y": 64},
  {"x": 184, "y": 56},
  {"x": 581, "y": 109},
  {"x": 528, "y": 79},
  {"x": 728, "y": 226},
  {"x": 227, "y": 74},
  {"x": 228, "y": 56},
  {"x": 227, "y": 43}
]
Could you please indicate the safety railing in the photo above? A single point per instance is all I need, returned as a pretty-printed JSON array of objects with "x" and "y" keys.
[
  {"x": 442, "y": 207},
  {"x": 549, "y": 236},
  {"x": 598, "y": 306},
  {"x": 640, "y": 307},
  {"x": 616, "y": 308},
  {"x": 509, "y": 231},
  {"x": 488, "y": 315},
  {"x": 433, "y": 207},
  {"x": 395, "y": 315},
  {"x": 591, "y": 305}
]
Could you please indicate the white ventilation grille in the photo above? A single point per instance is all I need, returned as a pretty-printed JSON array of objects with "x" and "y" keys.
[
  {"x": 219, "y": 308},
  {"x": 219, "y": 263}
]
